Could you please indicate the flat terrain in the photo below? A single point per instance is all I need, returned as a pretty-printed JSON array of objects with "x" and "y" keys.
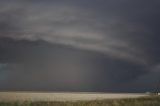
[
  {"x": 63, "y": 96},
  {"x": 142, "y": 101}
]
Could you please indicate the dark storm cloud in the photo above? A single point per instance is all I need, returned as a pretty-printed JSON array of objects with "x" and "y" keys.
[
  {"x": 38, "y": 65},
  {"x": 67, "y": 24},
  {"x": 94, "y": 44}
]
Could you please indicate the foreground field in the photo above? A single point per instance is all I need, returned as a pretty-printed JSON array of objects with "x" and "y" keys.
[
  {"x": 143, "y": 101},
  {"x": 63, "y": 96}
]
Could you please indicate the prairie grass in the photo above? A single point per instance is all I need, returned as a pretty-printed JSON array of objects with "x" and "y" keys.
[{"x": 145, "y": 101}]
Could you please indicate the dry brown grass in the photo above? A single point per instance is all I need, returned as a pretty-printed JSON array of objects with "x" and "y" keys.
[{"x": 144, "y": 101}]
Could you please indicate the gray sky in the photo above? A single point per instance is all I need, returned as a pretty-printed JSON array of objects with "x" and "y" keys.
[{"x": 79, "y": 45}]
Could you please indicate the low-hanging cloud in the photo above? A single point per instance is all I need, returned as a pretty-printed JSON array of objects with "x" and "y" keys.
[
  {"x": 89, "y": 45},
  {"x": 69, "y": 25}
]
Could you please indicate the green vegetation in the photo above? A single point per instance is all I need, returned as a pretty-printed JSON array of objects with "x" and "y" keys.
[{"x": 145, "y": 101}]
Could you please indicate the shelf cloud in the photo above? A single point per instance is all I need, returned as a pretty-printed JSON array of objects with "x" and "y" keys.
[{"x": 91, "y": 38}]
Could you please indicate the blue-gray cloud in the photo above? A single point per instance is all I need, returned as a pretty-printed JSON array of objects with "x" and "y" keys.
[
  {"x": 93, "y": 40},
  {"x": 66, "y": 24}
]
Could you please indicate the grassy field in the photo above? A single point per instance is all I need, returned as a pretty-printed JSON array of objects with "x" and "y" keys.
[
  {"x": 143, "y": 101},
  {"x": 64, "y": 96}
]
